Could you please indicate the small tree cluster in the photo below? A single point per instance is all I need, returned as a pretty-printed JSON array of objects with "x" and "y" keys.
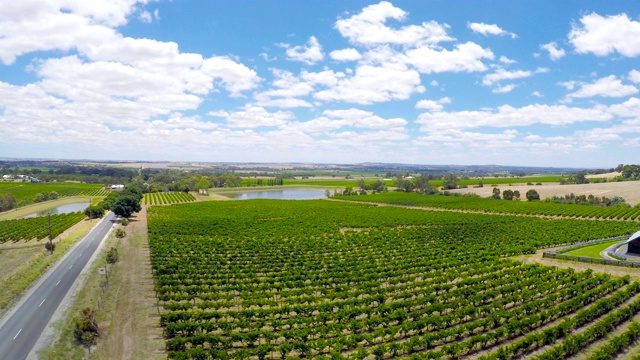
[
  {"x": 7, "y": 202},
  {"x": 124, "y": 203},
  {"x": 120, "y": 233},
  {"x": 112, "y": 256},
  {"x": 50, "y": 246},
  {"x": 86, "y": 327},
  {"x": 44, "y": 196},
  {"x": 94, "y": 212}
]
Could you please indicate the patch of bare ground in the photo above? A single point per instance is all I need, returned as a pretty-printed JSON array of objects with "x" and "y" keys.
[
  {"x": 629, "y": 190},
  {"x": 216, "y": 196},
  {"x": 129, "y": 319}
]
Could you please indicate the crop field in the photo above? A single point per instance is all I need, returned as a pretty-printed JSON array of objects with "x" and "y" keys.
[
  {"x": 324, "y": 279},
  {"x": 25, "y": 193},
  {"x": 37, "y": 227},
  {"x": 166, "y": 198},
  {"x": 500, "y": 206}
]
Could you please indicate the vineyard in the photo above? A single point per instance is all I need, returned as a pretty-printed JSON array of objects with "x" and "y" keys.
[
  {"x": 25, "y": 193},
  {"x": 165, "y": 198},
  {"x": 276, "y": 279},
  {"x": 37, "y": 227},
  {"x": 500, "y": 206}
]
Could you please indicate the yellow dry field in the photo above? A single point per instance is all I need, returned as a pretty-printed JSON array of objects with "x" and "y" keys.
[{"x": 629, "y": 190}]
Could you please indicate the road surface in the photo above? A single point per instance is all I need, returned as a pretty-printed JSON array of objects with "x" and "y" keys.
[{"x": 25, "y": 323}]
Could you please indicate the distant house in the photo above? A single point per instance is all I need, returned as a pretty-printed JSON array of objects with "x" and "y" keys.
[
  {"x": 34, "y": 180},
  {"x": 24, "y": 177},
  {"x": 7, "y": 177},
  {"x": 633, "y": 244},
  {"x": 117, "y": 187}
]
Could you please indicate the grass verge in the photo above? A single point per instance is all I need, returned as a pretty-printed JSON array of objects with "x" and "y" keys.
[
  {"x": 30, "y": 264},
  {"x": 90, "y": 295},
  {"x": 592, "y": 251}
]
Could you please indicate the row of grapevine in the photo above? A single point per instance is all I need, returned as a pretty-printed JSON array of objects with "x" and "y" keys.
[
  {"x": 500, "y": 206},
  {"x": 37, "y": 227},
  {"x": 166, "y": 198},
  {"x": 276, "y": 279}
]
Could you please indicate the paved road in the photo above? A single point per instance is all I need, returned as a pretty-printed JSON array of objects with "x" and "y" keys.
[{"x": 21, "y": 331}]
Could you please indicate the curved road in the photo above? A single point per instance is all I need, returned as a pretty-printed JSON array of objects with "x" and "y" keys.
[{"x": 25, "y": 323}]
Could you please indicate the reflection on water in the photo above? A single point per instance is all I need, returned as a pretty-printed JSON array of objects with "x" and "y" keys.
[
  {"x": 288, "y": 194},
  {"x": 62, "y": 209}
]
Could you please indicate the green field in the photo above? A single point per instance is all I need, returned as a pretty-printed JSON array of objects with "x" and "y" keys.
[
  {"x": 166, "y": 198},
  {"x": 592, "y": 251},
  {"x": 26, "y": 192},
  {"x": 325, "y": 279}
]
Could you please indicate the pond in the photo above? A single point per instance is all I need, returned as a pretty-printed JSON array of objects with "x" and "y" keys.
[
  {"x": 62, "y": 209},
  {"x": 287, "y": 194}
]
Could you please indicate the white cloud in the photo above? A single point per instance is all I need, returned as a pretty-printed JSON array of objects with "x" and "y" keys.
[
  {"x": 504, "y": 89},
  {"x": 506, "y": 60},
  {"x": 609, "y": 86},
  {"x": 502, "y": 74},
  {"x": 433, "y": 105},
  {"x": 555, "y": 53},
  {"x": 465, "y": 57},
  {"x": 349, "y": 54},
  {"x": 256, "y": 116},
  {"x": 634, "y": 75},
  {"x": 364, "y": 119},
  {"x": 537, "y": 94},
  {"x": 145, "y": 17},
  {"x": 368, "y": 28},
  {"x": 508, "y": 116},
  {"x": 489, "y": 29},
  {"x": 372, "y": 84},
  {"x": 310, "y": 54},
  {"x": 218, "y": 113},
  {"x": 603, "y": 35}
]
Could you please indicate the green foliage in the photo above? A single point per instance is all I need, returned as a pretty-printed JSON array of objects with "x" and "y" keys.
[
  {"x": 51, "y": 247},
  {"x": 86, "y": 328},
  {"x": 124, "y": 203},
  {"x": 329, "y": 277},
  {"x": 94, "y": 212},
  {"x": 112, "y": 256},
  {"x": 7, "y": 202},
  {"x": 450, "y": 181},
  {"x": 120, "y": 233},
  {"x": 532, "y": 195}
]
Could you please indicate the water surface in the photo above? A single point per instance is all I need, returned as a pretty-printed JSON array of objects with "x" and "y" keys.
[
  {"x": 62, "y": 209},
  {"x": 285, "y": 194}
]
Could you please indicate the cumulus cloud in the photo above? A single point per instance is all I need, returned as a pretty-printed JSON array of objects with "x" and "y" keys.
[
  {"x": 509, "y": 116},
  {"x": 603, "y": 35},
  {"x": 504, "y": 89},
  {"x": 555, "y": 53},
  {"x": 433, "y": 105},
  {"x": 369, "y": 28},
  {"x": 634, "y": 75},
  {"x": 489, "y": 29},
  {"x": 372, "y": 84},
  {"x": 506, "y": 60},
  {"x": 609, "y": 86},
  {"x": 465, "y": 57},
  {"x": 308, "y": 54},
  {"x": 349, "y": 54},
  {"x": 257, "y": 116}
]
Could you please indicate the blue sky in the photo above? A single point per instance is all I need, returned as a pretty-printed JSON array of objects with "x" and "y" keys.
[{"x": 544, "y": 83}]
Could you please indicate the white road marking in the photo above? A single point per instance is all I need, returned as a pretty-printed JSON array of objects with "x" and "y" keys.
[
  {"x": 71, "y": 266},
  {"x": 41, "y": 303},
  {"x": 17, "y": 334},
  {"x": 58, "y": 282},
  {"x": 81, "y": 254}
]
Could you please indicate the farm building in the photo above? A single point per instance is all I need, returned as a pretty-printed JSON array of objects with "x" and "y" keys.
[
  {"x": 117, "y": 187},
  {"x": 633, "y": 244}
]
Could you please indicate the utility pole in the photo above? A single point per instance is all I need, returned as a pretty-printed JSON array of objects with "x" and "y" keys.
[{"x": 50, "y": 240}]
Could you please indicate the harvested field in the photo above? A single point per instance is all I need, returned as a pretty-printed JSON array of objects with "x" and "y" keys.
[{"x": 629, "y": 190}]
